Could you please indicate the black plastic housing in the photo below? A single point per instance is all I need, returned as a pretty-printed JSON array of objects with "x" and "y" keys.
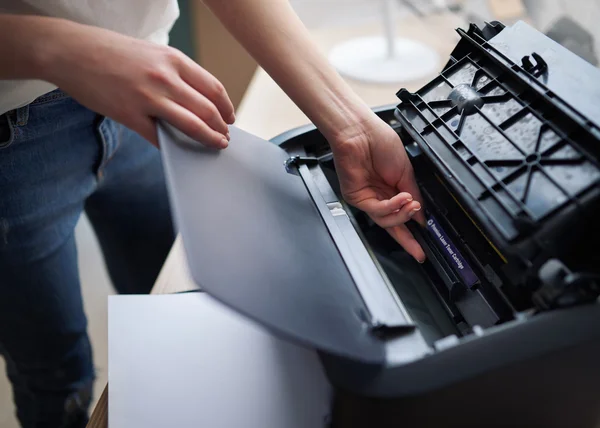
[{"x": 520, "y": 162}]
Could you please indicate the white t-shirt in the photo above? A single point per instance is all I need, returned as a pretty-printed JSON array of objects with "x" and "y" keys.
[{"x": 145, "y": 19}]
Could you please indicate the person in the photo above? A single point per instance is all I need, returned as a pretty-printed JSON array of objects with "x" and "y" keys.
[{"x": 81, "y": 84}]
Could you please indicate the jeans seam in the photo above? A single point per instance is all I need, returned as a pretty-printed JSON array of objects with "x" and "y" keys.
[
  {"x": 110, "y": 143},
  {"x": 49, "y": 98},
  {"x": 117, "y": 144},
  {"x": 102, "y": 136}
]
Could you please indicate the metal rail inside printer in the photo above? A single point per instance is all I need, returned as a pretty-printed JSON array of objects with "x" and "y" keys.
[{"x": 511, "y": 193}]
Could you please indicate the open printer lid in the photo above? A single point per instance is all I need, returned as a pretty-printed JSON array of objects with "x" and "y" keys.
[{"x": 256, "y": 240}]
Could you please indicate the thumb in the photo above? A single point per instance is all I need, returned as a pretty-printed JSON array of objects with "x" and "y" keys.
[{"x": 408, "y": 184}]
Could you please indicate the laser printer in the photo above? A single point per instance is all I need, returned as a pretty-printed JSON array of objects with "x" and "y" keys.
[{"x": 501, "y": 325}]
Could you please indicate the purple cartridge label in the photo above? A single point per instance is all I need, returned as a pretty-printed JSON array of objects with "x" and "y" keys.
[{"x": 451, "y": 253}]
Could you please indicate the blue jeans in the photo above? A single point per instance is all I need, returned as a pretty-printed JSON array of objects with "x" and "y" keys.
[{"x": 57, "y": 159}]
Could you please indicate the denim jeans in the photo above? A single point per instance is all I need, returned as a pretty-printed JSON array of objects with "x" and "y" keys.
[{"x": 57, "y": 159}]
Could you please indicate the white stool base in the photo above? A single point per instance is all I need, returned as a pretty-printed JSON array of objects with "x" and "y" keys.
[{"x": 367, "y": 59}]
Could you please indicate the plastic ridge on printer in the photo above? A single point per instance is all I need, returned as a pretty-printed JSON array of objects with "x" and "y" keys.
[{"x": 504, "y": 314}]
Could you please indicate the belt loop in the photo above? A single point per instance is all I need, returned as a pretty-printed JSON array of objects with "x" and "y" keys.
[{"x": 22, "y": 114}]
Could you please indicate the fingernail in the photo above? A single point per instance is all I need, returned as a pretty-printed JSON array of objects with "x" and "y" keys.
[
  {"x": 421, "y": 261},
  {"x": 232, "y": 118},
  {"x": 224, "y": 143},
  {"x": 402, "y": 204},
  {"x": 228, "y": 136},
  {"x": 414, "y": 211}
]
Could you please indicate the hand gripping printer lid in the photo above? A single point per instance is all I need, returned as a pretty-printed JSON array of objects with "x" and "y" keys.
[{"x": 504, "y": 314}]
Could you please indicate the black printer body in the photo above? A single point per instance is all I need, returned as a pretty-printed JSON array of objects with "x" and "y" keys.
[{"x": 501, "y": 325}]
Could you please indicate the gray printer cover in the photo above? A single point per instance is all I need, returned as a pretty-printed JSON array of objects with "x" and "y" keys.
[{"x": 255, "y": 241}]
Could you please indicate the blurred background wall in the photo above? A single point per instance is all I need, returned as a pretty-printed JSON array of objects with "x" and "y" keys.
[
  {"x": 573, "y": 23},
  {"x": 201, "y": 36}
]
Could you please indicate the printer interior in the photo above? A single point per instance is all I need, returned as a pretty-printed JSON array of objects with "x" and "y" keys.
[
  {"x": 509, "y": 175},
  {"x": 435, "y": 295}
]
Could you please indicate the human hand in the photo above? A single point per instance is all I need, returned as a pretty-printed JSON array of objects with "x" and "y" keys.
[
  {"x": 135, "y": 82},
  {"x": 376, "y": 177}
]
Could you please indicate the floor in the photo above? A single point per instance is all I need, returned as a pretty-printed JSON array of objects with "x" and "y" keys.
[{"x": 95, "y": 283}]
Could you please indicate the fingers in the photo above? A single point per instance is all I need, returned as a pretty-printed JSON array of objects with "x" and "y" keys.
[
  {"x": 409, "y": 184},
  {"x": 198, "y": 104},
  {"x": 405, "y": 238},
  {"x": 399, "y": 217},
  {"x": 205, "y": 83},
  {"x": 190, "y": 99},
  {"x": 391, "y": 212},
  {"x": 377, "y": 208},
  {"x": 191, "y": 125}
]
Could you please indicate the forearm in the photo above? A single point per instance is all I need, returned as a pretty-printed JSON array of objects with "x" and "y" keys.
[
  {"x": 274, "y": 35},
  {"x": 26, "y": 45}
]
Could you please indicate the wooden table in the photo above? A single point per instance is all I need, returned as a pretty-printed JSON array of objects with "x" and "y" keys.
[{"x": 266, "y": 111}]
